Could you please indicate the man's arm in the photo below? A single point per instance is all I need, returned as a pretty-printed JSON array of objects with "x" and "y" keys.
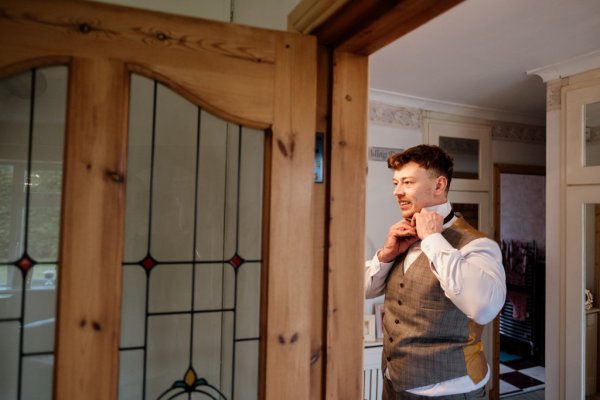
[
  {"x": 472, "y": 278},
  {"x": 376, "y": 273},
  {"x": 400, "y": 237}
]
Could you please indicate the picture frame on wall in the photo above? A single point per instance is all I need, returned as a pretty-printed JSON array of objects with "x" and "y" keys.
[
  {"x": 369, "y": 328},
  {"x": 378, "y": 320}
]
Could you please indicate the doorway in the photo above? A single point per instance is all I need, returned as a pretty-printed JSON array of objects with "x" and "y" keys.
[{"x": 519, "y": 220}]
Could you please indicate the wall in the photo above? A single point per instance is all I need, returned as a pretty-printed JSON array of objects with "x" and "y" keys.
[
  {"x": 523, "y": 208},
  {"x": 389, "y": 128},
  {"x": 270, "y": 14},
  {"x": 395, "y": 121}
]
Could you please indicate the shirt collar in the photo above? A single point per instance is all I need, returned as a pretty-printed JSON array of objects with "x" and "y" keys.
[{"x": 443, "y": 209}]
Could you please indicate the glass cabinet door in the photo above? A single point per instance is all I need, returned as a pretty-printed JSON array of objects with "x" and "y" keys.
[
  {"x": 582, "y": 107},
  {"x": 582, "y": 275},
  {"x": 474, "y": 208},
  {"x": 469, "y": 145}
]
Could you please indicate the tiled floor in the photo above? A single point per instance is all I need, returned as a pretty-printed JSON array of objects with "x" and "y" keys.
[{"x": 520, "y": 376}]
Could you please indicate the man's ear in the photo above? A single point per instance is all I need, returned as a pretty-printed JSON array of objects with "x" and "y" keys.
[{"x": 441, "y": 184}]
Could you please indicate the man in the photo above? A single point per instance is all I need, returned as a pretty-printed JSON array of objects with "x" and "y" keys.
[{"x": 443, "y": 281}]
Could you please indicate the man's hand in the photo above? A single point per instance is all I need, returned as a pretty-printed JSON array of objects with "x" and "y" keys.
[
  {"x": 399, "y": 238},
  {"x": 427, "y": 222}
]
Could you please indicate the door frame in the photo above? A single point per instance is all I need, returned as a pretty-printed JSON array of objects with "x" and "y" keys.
[
  {"x": 347, "y": 33},
  {"x": 500, "y": 169},
  {"x": 254, "y": 77}
]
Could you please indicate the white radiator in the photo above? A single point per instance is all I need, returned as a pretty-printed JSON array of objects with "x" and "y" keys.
[{"x": 372, "y": 377}]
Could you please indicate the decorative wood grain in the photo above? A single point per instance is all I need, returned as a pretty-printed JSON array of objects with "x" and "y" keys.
[
  {"x": 92, "y": 225},
  {"x": 227, "y": 68},
  {"x": 345, "y": 301}
]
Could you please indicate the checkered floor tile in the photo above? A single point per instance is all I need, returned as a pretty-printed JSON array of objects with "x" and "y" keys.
[{"x": 520, "y": 376}]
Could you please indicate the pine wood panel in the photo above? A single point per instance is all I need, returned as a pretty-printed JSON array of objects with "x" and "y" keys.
[
  {"x": 289, "y": 249},
  {"x": 346, "y": 231},
  {"x": 92, "y": 224},
  {"x": 227, "y": 69}
]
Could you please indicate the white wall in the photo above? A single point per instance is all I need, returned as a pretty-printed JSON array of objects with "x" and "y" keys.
[
  {"x": 505, "y": 152},
  {"x": 381, "y": 207},
  {"x": 270, "y": 14}
]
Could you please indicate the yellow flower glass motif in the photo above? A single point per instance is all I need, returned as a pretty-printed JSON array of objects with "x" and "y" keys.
[
  {"x": 192, "y": 384},
  {"x": 190, "y": 377}
]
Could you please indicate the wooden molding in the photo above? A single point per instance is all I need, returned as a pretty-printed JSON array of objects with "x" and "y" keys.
[
  {"x": 310, "y": 14},
  {"x": 345, "y": 269},
  {"x": 363, "y": 27},
  {"x": 288, "y": 252}
]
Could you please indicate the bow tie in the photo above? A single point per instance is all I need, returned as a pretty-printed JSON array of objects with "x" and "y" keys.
[{"x": 448, "y": 217}]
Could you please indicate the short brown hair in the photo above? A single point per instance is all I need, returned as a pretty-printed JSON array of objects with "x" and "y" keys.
[{"x": 432, "y": 158}]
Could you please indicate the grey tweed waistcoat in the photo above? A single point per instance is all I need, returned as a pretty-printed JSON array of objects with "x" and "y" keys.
[{"x": 427, "y": 339}]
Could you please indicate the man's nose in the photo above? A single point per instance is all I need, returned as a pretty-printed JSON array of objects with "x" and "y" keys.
[{"x": 398, "y": 190}]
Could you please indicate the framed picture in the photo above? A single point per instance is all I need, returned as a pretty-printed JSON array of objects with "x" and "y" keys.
[
  {"x": 369, "y": 328},
  {"x": 379, "y": 321}
]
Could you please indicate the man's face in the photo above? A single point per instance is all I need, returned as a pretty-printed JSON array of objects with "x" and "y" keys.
[{"x": 416, "y": 188}]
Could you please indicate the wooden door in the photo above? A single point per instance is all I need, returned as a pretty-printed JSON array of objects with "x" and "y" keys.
[{"x": 256, "y": 78}]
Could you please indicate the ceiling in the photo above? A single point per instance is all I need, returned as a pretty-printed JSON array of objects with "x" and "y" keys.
[{"x": 478, "y": 53}]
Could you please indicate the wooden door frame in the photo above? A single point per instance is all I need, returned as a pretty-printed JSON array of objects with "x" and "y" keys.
[
  {"x": 498, "y": 170},
  {"x": 255, "y": 77},
  {"x": 347, "y": 32}
]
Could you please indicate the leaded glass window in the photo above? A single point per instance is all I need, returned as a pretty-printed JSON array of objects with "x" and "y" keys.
[
  {"x": 32, "y": 126},
  {"x": 192, "y": 263}
]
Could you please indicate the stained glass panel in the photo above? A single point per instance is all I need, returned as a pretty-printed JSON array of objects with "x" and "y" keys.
[
  {"x": 32, "y": 125},
  {"x": 192, "y": 264}
]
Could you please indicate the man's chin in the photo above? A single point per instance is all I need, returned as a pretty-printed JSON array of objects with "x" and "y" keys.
[{"x": 407, "y": 215}]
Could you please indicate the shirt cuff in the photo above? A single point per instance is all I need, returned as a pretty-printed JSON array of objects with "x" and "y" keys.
[
  {"x": 435, "y": 244},
  {"x": 378, "y": 267}
]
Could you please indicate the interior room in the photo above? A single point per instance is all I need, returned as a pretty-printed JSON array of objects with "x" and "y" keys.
[
  {"x": 488, "y": 81},
  {"x": 446, "y": 72}
]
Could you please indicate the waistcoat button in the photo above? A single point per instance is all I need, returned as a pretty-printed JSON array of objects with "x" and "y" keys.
[
  {"x": 391, "y": 339},
  {"x": 399, "y": 302},
  {"x": 389, "y": 358},
  {"x": 397, "y": 321},
  {"x": 402, "y": 285}
]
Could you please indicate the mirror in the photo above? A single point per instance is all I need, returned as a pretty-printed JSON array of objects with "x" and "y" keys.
[
  {"x": 592, "y": 134},
  {"x": 591, "y": 254}
]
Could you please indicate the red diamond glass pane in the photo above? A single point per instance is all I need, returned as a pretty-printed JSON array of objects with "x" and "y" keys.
[
  {"x": 236, "y": 261},
  {"x": 25, "y": 263},
  {"x": 148, "y": 262}
]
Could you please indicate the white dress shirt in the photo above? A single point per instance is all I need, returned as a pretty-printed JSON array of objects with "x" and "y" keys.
[{"x": 472, "y": 278}]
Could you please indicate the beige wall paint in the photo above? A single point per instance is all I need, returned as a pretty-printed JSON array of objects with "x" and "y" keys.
[{"x": 269, "y": 14}]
